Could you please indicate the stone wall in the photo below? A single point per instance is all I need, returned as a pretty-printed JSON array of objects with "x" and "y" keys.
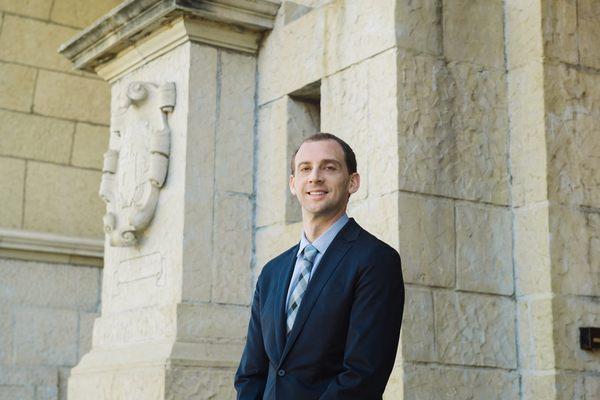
[{"x": 53, "y": 130}]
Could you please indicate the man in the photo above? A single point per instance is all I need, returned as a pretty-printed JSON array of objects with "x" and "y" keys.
[{"x": 326, "y": 313}]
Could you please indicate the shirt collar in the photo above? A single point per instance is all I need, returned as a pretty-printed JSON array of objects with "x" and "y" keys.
[{"x": 323, "y": 241}]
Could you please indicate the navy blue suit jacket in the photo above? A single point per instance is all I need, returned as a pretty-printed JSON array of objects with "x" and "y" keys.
[{"x": 344, "y": 339}]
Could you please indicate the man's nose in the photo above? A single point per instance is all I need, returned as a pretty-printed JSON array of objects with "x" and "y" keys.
[{"x": 315, "y": 176}]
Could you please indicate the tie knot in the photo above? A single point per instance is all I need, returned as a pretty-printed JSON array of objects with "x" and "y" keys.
[{"x": 310, "y": 252}]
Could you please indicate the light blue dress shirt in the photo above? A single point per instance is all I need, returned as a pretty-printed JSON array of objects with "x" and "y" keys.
[{"x": 321, "y": 244}]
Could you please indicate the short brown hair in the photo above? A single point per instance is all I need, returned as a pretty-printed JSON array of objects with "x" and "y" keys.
[{"x": 349, "y": 155}]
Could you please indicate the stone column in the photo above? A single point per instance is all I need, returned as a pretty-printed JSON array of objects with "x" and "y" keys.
[{"x": 177, "y": 180}]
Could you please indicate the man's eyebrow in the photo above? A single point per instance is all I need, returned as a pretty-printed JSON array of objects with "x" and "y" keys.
[{"x": 325, "y": 161}]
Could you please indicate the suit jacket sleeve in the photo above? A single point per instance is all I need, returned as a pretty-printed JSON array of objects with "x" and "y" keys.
[
  {"x": 252, "y": 372},
  {"x": 373, "y": 331}
]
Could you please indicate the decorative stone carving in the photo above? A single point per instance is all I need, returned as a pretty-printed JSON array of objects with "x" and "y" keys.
[{"x": 136, "y": 163}]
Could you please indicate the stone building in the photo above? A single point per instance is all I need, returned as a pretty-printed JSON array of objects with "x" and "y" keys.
[{"x": 475, "y": 124}]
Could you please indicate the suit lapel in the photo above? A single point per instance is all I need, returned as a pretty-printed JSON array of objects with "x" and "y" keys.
[
  {"x": 283, "y": 282},
  {"x": 330, "y": 261}
]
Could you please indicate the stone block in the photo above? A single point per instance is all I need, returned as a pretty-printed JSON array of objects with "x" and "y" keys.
[
  {"x": 532, "y": 249},
  {"x": 235, "y": 127},
  {"x": 292, "y": 56},
  {"x": 524, "y": 42},
  {"x": 592, "y": 386},
  {"x": 79, "y": 13},
  {"x": 575, "y": 241},
  {"x": 138, "y": 382},
  {"x": 588, "y": 25},
  {"x": 13, "y": 177},
  {"x": 559, "y": 27},
  {"x": 16, "y": 86},
  {"x": 419, "y": 26},
  {"x": 434, "y": 382},
  {"x": 46, "y": 393},
  {"x": 24, "y": 375},
  {"x": 379, "y": 215},
  {"x": 63, "y": 200},
  {"x": 356, "y": 31},
  {"x": 484, "y": 249},
  {"x": 273, "y": 168},
  {"x": 417, "y": 326},
  {"x": 539, "y": 386},
  {"x": 570, "y": 313},
  {"x": 31, "y": 8},
  {"x": 72, "y": 97},
  {"x": 480, "y": 24},
  {"x": 63, "y": 382},
  {"x": 528, "y": 133},
  {"x": 34, "y": 137},
  {"x": 199, "y": 383},
  {"x": 273, "y": 240},
  {"x": 536, "y": 345},
  {"x": 232, "y": 252},
  {"x": 45, "y": 336},
  {"x": 86, "y": 327},
  {"x": 474, "y": 329},
  {"x": 33, "y": 42},
  {"x": 345, "y": 113},
  {"x": 453, "y": 129},
  {"x": 559, "y": 386},
  {"x": 17, "y": 392},
  {"x": 211, "y": 321},
  {"x": 50, "y": 285},
  {"x": 382, "y": 172},
  {"x": 6, "y": 333},
  {"x": 89, "y": 144},
  {"x": 427, "y": 240}
]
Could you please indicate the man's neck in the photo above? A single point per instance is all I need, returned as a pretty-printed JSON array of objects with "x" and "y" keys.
[{"x": 315, "y": 226}]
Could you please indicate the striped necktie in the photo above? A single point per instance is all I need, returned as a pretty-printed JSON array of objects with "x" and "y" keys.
[{"x": 308, "y": 256}]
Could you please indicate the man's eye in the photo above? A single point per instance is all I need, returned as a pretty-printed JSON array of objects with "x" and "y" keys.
[
  {"x": 330, "y": 167},
  {"x": 304, "y": 169}
]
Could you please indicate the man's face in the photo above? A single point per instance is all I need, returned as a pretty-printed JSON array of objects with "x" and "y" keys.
[{"x": 321, "y": 180}]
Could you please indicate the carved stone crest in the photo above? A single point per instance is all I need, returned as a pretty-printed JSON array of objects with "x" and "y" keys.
[{"x": 136, "y": 163}]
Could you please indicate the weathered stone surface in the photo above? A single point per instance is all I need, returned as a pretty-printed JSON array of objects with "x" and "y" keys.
[
  {"x": 574, "y": 250},
  {"x": 272, "y": 170},
  {"x": 427, "y": 240},
  {"x": 31, "y": 8},
  {"x": 356, "y": 31},
  {"x": 195, "y": 383},
  {"x": 528, "y": 164},
  {"x": 211, "y": 321},
  {"x": 23, "y": 375},
  {"x": 22, "y": 134},
  {"x": 539, "y": 386},
  {"x": 433, "y": 382},
  {"x": 46, "y": 393},
  {"x": 273, "y": 240},
  {"x": 50, "y": 285},
  {"x": 378, "y": 215},
  {"x": 232, "y": 249},
  {"x": 588, "y": 25},
  {"x": 536, "y": 345},
  {"x": 523, "y": 40},
  {"x": 141, "y": 382},
  {"x": 16, "y": 86},
  {"x": 292, "y": 56},
  {"x": 452, "y": 129},
  {"x": 235, "y": 127},
  {"x": 419, "y": 26},
  {"x": 45, "y": 336},
  {"x": 484, "y": 249},
  {"x": 559, "y": 386},
  {"x": 89, "y": 144},
  {"x": 417, "y": 325},
  {"x": 86, "y": 327},
  {"x": 33, "y": 42},
  {"x": 478, "y": 23},
  {"x": 79, "y": 13},
  {"x": 570, "y": 313},
  {"x": 17, "y": 392},
  {"x": 68, "y": 96},
  {"x": 559, "y": 27},
  {"x": 63, "y": 200},
  {"x": 592, "y": 386},
  {"x": 475, "y": 329},
  {"x": 13, "y": 177},
  {"x": 532, "y": 249},
  {"x": 6, "y": 333}
]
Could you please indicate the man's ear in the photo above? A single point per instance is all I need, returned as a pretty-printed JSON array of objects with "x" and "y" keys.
[
  {"x": 354, "y": 183},
  {"x": 292, "y": 188}
]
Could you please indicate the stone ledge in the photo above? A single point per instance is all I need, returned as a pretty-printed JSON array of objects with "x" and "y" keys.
[
  {"x": 135, "y": 19},
  {"x": 40, "y": 246}
]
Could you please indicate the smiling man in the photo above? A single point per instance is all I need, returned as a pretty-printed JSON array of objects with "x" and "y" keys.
[{"x": 326, "y": 313}]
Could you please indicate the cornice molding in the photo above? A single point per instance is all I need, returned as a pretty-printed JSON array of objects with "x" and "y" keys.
[
  {"x": 13, "y": 239},
  {"x": 134, "y": 20}
]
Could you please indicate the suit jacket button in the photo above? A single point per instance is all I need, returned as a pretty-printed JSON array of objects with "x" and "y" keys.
[{"x": 281, "y": 372}]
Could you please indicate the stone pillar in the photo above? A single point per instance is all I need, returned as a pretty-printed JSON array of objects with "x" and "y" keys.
[{"x": 177, "y": 180}]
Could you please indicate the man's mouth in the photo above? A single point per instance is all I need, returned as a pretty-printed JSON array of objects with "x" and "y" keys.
[{"x": 317, "y": 193}]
